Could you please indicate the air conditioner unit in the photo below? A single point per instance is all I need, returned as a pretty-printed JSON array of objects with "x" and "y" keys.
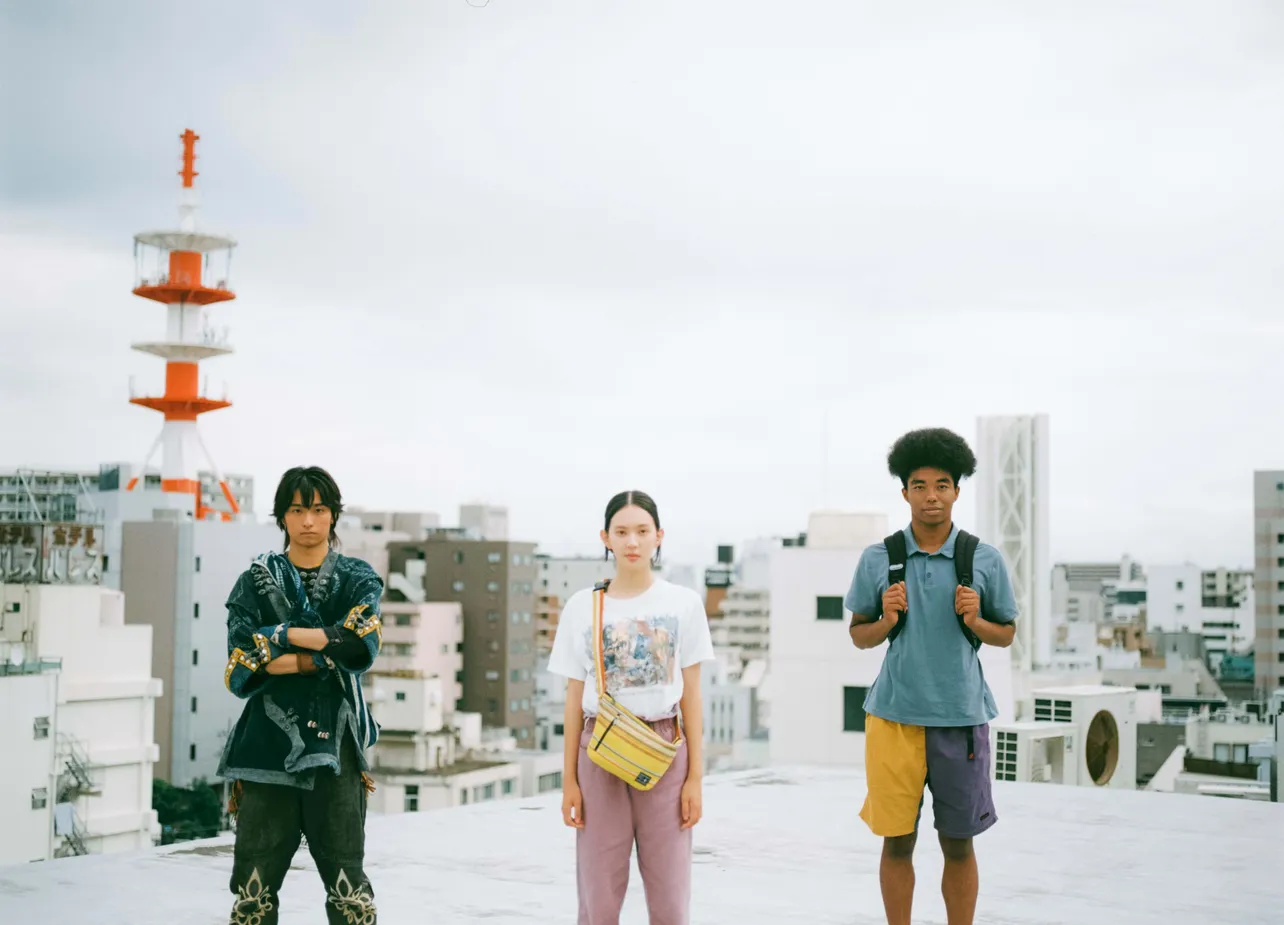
[
  {"x": 1105, "y": 724},
  {"x": 1032, "y": 752}
]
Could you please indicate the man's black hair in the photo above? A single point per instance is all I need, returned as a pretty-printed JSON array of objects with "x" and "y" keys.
[
  {"x": 935, "y": 448},
  {"x": 311, "y": 482}
]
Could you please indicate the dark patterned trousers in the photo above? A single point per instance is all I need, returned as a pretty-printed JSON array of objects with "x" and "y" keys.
[{"x": 270, "y": 822}]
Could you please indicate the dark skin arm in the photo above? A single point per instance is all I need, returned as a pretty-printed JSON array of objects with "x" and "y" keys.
[
  {"x": 868, "y": 632},
  {"x": 967, "y": 603}
]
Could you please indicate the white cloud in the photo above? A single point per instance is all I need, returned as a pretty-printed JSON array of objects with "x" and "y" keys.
[{"x": 537, "y": 253}]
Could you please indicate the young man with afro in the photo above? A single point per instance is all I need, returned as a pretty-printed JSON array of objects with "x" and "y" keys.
[{"x": 928, "y": 711}]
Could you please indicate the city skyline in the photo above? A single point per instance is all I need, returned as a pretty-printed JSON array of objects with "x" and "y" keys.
[{"x": 448, "y": 306}]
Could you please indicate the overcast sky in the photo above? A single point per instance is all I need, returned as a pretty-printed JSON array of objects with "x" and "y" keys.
[{"x": 536, "y": 252}]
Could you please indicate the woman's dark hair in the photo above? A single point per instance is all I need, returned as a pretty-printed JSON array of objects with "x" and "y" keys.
[
  {"x": 312, "y": 483},
  {"x": 625, "y": 499},
  {"x": 935, "y": 448}
]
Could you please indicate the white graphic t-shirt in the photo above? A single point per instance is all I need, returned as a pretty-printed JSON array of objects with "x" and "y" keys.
[{"x": 647, "y": 641}]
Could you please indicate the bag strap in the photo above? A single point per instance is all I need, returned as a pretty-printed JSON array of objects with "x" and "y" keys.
[
  {"x": 964, "y": 556},
  {"x": 896, "y": 557},
  {"x": 599, "y": 603}
]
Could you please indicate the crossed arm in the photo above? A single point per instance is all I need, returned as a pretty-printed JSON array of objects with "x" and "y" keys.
[{"x": 257, "y": 654}]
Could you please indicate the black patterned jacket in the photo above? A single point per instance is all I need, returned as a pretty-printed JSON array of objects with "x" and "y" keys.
[{"x": 295, "y": 723}]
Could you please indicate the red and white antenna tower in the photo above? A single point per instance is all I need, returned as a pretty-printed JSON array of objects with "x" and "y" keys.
[{"x": 171, "y": 268}]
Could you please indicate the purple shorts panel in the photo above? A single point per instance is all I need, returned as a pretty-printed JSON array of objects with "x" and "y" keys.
[{"x": 962, "y": 798}]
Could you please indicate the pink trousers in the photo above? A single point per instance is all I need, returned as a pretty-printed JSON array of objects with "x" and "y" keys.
[{"x": 615, "y": 816}]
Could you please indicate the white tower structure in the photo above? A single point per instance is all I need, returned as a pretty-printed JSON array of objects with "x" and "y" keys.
[
  {"x": 172, "y": 267},
  {"x": 1012, "y": 481}
]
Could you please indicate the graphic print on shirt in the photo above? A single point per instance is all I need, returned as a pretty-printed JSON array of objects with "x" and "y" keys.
[{"x": 640, "y": 652}]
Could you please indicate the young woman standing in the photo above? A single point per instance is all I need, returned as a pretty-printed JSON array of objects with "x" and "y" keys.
[{"x": 654, "y": 637}]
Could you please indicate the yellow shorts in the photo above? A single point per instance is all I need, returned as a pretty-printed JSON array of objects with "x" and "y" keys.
[{"x": 901, "y": 761}]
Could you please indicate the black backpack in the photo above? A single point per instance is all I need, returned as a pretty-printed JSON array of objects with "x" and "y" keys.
[{"x": 964, "y": 554}]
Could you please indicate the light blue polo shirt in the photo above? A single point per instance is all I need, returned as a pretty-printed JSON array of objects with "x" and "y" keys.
[{"x": 930, "y": 675}]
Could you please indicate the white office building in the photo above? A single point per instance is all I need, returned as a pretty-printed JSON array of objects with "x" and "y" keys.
[
  {"x": 745, "y": 622},
  {"x": 1218, "y": 604},
  {"x": 79, "y": 696},
  {"x": 819, "y": 679},
  {"x": 177, "y": 574}
]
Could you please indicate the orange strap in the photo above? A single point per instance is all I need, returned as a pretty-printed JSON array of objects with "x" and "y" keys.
[{"x": 599, "y": 598}]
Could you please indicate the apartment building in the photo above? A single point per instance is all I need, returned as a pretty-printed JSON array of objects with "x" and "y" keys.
[
  {"x": 494, "y": 583},
  {"x": 1268, "y": 578}
]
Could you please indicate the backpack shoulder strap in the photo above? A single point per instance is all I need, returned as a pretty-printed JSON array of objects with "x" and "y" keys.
[
  {"x": 964, "y": 558},
  {"x": 896, "y": 556}
]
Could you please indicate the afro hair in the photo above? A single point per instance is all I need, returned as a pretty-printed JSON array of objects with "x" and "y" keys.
[{"x": 935, "y": 448}]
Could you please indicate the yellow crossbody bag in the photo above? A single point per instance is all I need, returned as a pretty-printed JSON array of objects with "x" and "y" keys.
[{"x": 622, "y": 744}]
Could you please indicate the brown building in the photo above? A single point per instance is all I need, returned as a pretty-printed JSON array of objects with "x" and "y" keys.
[{"x": 494, "y": 582}]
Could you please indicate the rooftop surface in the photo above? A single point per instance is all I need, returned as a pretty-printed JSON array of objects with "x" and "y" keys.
[{"x": 780, "y": 845}]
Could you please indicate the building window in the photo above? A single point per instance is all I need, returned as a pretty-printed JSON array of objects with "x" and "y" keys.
[
  {"x": 492, "y": 676},
  {"x": 523, "y": 732},
  {"x": 517, "y": 560},
  {"x": 854, "y": 709},
  {"x": 463, "y": 796},
  {"x": 445, "y": 648},
  {"x": 559, "y": 729},
  {"x": 191, "y": 752},
  {"x": 494, "y": 558},
  {"x": 40, "y": 798},
  {"x": 458, "y": 586},
  {"x": 402, "y": 619},
  {"x": 198, "y": 563},
  {"x": 549, "y": 782},
  {"x": 412, "y": 798},
  {"x": 526, "y": 618},
  {"x": 514, "y": 676},
  {"x": 40, "y": 727},
  {"x": 459, "y": 557},
  {"x": 512, "y": 706},
  {"x": 492, "y": 587},
  {"x": 493, "y": 645},
  {"x": 488, "y": 792},
  {"x": 196, "y": 657},
  {"x": 829, "y": 608},
  {"x": 507, "y": 787},
  {"x": 526, "y": 704},
  {"x": 196, "y": 611},
  {"x": 193, "y": 704},
  {"x": 492, "y": 616},
  {"x": 106, "y": 564},
  {"x": 492, "y": 705},
  {"x": 401, "y": 695},
  {"x": 516, "y": 617}
]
